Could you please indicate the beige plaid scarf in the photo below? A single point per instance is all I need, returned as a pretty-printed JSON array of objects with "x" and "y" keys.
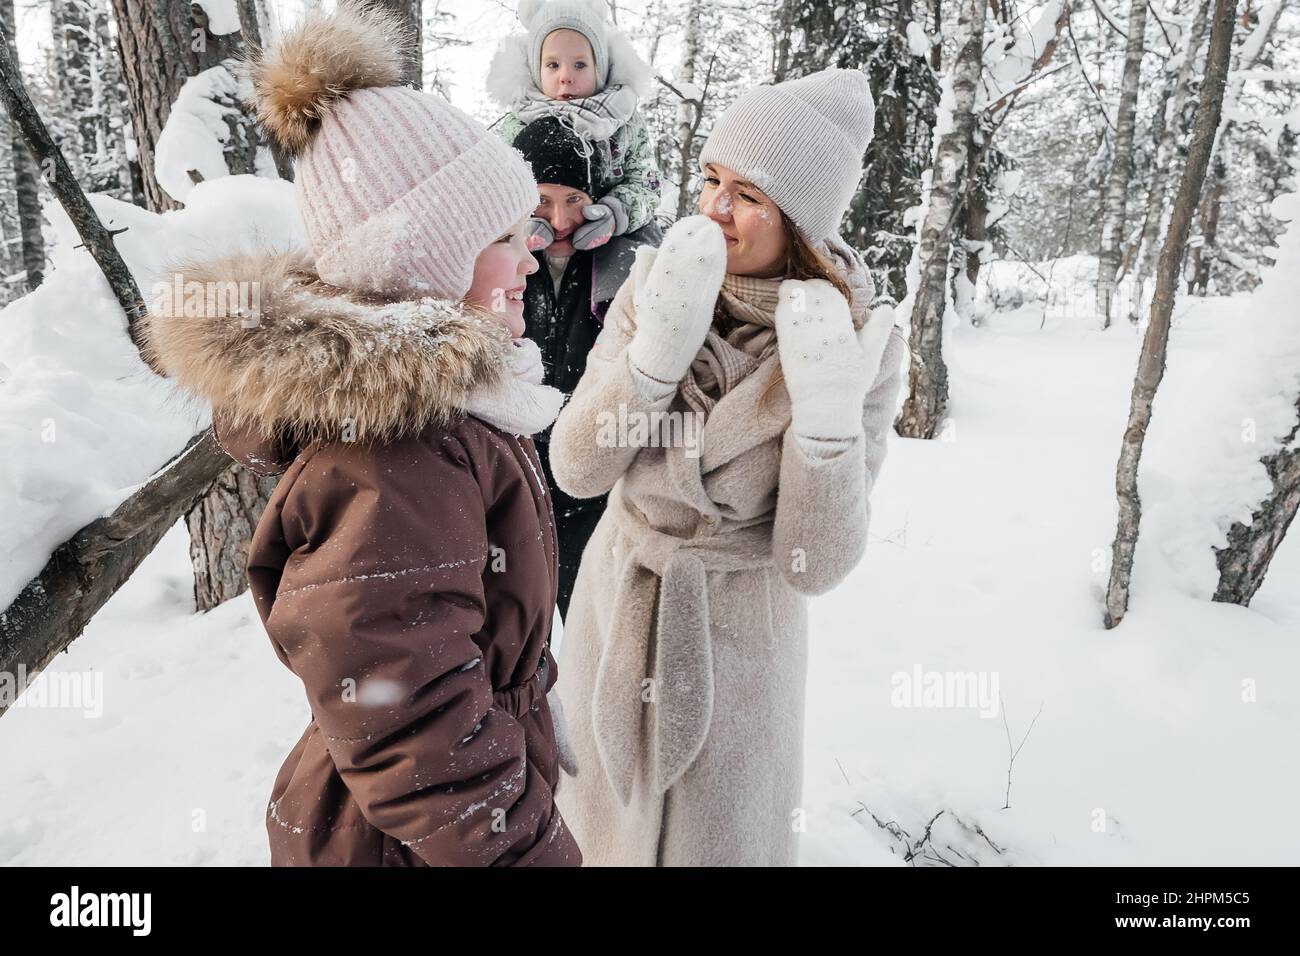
[{"x": 743, "y": 333}]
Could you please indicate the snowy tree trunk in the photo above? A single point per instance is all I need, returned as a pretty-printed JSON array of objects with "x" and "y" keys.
[
  {"x": 411, "y": 14},
  {"x": 1169, "y": 131},
  {"x": 44, "y": 152},
  {"x": 163, "y": 45},
  {"x": 1245, "y": 560},
  {"x": 109, "y": 108},
  {"x": 936, "y": 50},
  {"x": 153, "y": 67},
  {"x": 1151, "y": 362},
  {"x": 28, "y": 202},
  {"x": 1206, "y": 254},
  {"x": 252, "y": 18},
  {"x": 782, "y": 27},
  {"x": 9, "y": 240},
  {"x": 687, "y": 110},
  {"x": 977, "y": 235},
  {"x": 12, "y": 275},
  {"x": 221, "y": 525},
  {"x": 26, "y": 196},
  {"x": 78, "y": 61},
  {"x": 900, "y": 151},
  {"x": 1115, "y": 204},
  {"x": 927, "y": 398}
]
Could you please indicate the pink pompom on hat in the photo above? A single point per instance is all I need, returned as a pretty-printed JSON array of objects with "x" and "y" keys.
[{"x": 399, "y": 190}]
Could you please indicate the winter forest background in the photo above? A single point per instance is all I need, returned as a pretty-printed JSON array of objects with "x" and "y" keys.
[{"x": 1084, "y": 211}]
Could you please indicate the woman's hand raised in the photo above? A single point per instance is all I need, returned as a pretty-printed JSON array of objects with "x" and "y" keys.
[
  {"x": 825, "y": 370},
  {"x": 677, "y": 286}
]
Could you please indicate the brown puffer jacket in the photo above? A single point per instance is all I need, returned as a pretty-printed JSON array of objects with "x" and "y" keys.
[{"x": 407, "y": 575}]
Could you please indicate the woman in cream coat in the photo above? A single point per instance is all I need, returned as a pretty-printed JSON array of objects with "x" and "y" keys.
[{"x": 735, "y": 406}]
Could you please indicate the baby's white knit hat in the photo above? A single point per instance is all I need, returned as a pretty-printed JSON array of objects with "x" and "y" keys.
[
  {"x": 544, "y": 17},
  {"x": 801, "y": 142}
]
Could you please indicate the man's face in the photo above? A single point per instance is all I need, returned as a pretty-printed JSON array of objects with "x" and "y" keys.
[{"x": 562, "y": 207}]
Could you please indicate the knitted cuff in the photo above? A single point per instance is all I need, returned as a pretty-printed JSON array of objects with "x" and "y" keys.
[
  {"x": 823, "y": 447},
  {"x": 620, "y": 213},
  {"x": 651, "y": 389}
]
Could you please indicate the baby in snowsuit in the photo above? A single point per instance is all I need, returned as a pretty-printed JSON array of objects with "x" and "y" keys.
[{"x": 574, "y": 65}]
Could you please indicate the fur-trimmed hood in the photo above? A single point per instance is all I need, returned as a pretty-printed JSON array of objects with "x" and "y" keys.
[
  {"x": 509, "y": 75},
  {"x": 282, "y": 354}
]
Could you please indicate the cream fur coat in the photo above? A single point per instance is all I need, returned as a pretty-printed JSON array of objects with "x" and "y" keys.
[{"x": 683, "y": 660}]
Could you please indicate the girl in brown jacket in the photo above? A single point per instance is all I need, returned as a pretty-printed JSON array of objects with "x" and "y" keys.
[{"x": 405, "y": 567}]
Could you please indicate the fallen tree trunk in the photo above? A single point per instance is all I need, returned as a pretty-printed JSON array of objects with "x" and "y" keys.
[{"x": 82, "y": 574}]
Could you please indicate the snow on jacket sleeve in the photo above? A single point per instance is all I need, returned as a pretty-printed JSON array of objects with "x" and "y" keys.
[
  {"x": 586, "y": 464},
  {"x": 381, "y": 594},
  {"x": 638, "y": 187},
  {"x": 823, "y": 509}
]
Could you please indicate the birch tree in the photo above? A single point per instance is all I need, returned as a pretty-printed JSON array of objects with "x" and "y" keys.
[
  {"x": 927, "y": 398},
  {"x": 690, "y": 108},
  {"x": 1115, "y": 202},
  {"x": 1168, "y": 130},
  {"x": 1264, "y": 18},
  {"x": 26, "y": 182},
  {"x": 1151, "y": 361}
]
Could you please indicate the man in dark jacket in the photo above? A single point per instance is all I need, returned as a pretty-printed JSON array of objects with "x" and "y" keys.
[{"x": 583, "y": 264}]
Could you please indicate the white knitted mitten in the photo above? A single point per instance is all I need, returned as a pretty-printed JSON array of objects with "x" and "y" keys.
[
  {"x": 825, "y": 370},
  {"x": 676, "y": 288}
]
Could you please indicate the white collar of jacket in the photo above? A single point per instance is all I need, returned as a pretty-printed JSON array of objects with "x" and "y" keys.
[
  {"x": 518, "y": 403},
  {"x": 304, "y": 361}
]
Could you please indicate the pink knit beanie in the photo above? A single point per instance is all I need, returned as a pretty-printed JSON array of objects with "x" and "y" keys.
[{"x": 399, "y": 190}]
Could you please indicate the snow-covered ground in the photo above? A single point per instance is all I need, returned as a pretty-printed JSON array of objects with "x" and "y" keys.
[
  {"x": 989, "y": 555},
  {"x": 197, "y": 716},
  {"x": 1170, "y": 740}
]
